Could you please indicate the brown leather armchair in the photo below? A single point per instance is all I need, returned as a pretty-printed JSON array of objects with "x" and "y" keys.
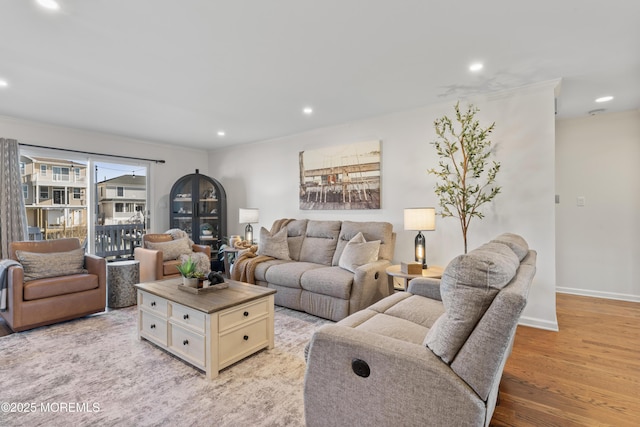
[
  {"x": 53, "y": 299},
  {"x": 152, "y": 265}
]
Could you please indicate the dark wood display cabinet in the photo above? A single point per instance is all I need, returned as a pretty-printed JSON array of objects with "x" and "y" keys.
[{"x": 199, "y": 207}]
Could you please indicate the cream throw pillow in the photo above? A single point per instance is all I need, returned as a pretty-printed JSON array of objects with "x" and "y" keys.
[
  {"x": 275, "y": 246},
  {"x": 359, "y": 252},
  {"x": 52, "y": 264},
  {"x": 171, "y": 250}
]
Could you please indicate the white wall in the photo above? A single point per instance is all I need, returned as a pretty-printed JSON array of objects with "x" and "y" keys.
[
  {"x": 179, "y": 161},
  {"x": 265, "y": 175},
  {"x": 598, "y": 245}
]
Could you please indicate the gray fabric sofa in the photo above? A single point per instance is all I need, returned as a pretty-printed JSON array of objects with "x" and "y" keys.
[
  {"x": 432, "y": 356},
  {"x": 312, "y": 279}
]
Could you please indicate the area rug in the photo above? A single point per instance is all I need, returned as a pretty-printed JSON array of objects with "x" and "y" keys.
[{"x": 95, "y": 371}]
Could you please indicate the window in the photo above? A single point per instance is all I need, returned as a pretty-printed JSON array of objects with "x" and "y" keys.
[
  {"x": 77, "y": 193},
  {"x": 101, "y": 191},
  {"x": 60, "y": 174},
  {"x": 119, "y": 207},
  {"x": 43, "y": 170},
  {"x": 44, "y": 193},
  {"x": 129, "y": 207},
  {"x": 22, "y": 168},
  {"x": 120, "y": 191},
  {"x": 76, "y": 172},
  {"x": 25, "y": 191}
]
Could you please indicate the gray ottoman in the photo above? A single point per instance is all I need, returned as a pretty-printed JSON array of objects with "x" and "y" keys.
[{"x": 121, "y": 276}]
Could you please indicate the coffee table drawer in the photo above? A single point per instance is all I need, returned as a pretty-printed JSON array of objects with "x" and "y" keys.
[
  {"x": 243, "y": 314},
  {"x": 188, "y": 317},
  {"x": 241, "y": 342},
  {"x": 154, "y": 303},
  {"x": 189, "y": 345},
  {"x": 153, "y": 327}
]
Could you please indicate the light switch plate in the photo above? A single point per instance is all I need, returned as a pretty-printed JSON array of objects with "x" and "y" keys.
[{"x": 581, "y": 201}]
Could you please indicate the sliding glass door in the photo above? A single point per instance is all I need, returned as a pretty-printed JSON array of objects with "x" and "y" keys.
[
  {"x": 101, "y": 202},
  {"x": 120, "y": 206}
]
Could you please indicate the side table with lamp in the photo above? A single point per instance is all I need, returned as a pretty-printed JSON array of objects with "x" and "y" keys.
[{"x": 416, "y": 219}]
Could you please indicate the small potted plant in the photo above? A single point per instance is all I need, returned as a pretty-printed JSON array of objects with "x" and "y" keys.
[{"x": 188, "y": 271}]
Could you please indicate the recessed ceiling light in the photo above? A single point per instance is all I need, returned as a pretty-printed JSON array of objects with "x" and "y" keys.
[
  {"x": 476, "y": 67},
  {"x": 221, "y": 133},
  {"x": 3, "y": 83},
  {"x": 307, "y": 110},
  {"x": 49, "y": 4},
  {"x": 604, "y": 99}
]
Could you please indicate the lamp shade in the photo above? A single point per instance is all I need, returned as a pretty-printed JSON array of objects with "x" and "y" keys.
[
  {"x": 249, "y": 216},
  {"x": 420, "y": 219}
]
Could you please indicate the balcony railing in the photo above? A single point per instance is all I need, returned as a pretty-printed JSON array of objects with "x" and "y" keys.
[{"x": 118, "y": 240}]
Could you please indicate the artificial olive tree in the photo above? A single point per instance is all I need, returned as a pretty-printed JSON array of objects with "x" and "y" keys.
[{"x": 466, "y": 179}]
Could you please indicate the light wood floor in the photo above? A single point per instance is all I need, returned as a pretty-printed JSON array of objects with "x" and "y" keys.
[{"x": 587, "y": 374}]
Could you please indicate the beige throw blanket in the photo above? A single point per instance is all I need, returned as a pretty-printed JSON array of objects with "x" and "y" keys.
[{"x": 244, "y": 268}]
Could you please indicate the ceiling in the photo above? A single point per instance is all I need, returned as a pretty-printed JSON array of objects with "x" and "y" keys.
[{"x": 178, "y": 72}]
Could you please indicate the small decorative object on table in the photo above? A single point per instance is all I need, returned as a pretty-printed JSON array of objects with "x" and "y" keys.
[
  {"x": 411, "y": 267},
  {"x": 214, "y": 281},
  {"x": 188, "y": 271},
  {"x": 204, "y": 289}
]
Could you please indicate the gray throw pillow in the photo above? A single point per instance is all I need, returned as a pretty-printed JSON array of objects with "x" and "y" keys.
[
  {"x": 275, "y": 246},
  {"x": 52, "y": 264},
  {"x": 358, "y": 252},
  {"x": 172, "y": 249}
]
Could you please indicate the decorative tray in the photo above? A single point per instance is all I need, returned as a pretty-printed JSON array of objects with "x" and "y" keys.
[{"x": 204, "y": 289}]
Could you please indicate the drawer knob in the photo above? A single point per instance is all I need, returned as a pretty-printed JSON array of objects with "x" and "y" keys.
[
  {"x": 153, "y": 326},
  {"x": 185, "y": 342},
  {"x": 246, "y": 337},
  {"x": 153, "y": 303},
  {"x": 185, "y": 317},
  {"x": 246, "y": 313}
]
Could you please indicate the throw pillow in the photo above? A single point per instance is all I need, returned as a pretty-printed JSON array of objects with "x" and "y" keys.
[
  {"x": 171, "y": 250},
  {"x": 358, "y": 252},
  {"x": 275, "y": 246},
  {"x": 52, "y": 264}
]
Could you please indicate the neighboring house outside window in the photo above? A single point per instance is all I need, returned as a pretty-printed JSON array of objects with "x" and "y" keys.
[
  {"x": 119, "y": 207},
  {"x": 120, "y": 191},
  {"x": 44, "y": 193},
  {"x": 43, "y": 170},
  {"x": 25, "y": 190},
  {"x": 77, "y": 193},
  {"x": 22, "y": 168}
]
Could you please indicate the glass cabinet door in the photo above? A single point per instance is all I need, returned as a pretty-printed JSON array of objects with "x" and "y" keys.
[
  {"x": 198, "y": 206},
  {"x": 207, "y": 214}
]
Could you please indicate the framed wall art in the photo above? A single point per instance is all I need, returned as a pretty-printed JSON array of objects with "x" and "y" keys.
[{"x": 340, "y": 177}]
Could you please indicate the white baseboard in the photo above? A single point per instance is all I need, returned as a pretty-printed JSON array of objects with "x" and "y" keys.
[
  {"x": 598, "y": 294},
  {"x": 538, "y": 323}
]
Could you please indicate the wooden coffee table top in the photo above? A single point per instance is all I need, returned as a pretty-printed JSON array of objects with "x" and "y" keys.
[{"x": 210, "y": 302}]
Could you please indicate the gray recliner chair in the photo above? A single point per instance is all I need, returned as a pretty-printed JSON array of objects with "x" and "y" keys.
[{"x": 432, "y": 356}]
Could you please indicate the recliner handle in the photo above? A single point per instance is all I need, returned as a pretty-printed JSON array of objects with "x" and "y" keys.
[{"x": 360, "y": 368}]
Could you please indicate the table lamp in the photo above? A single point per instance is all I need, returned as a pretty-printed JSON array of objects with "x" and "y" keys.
[
  {"x": 248, "y": 216},
  {"x": 420, "y": 219}
]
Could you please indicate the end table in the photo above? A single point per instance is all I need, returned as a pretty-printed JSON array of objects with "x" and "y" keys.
[
  {"x": 121, "y": 276},
  {"x": 434, "y": 272}
]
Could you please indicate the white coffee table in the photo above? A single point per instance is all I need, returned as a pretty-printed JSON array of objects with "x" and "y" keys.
[{"x": 211, "y": 330}]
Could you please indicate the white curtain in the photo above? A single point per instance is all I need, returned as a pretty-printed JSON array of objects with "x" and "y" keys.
[{"x": 13, "y": 216}]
